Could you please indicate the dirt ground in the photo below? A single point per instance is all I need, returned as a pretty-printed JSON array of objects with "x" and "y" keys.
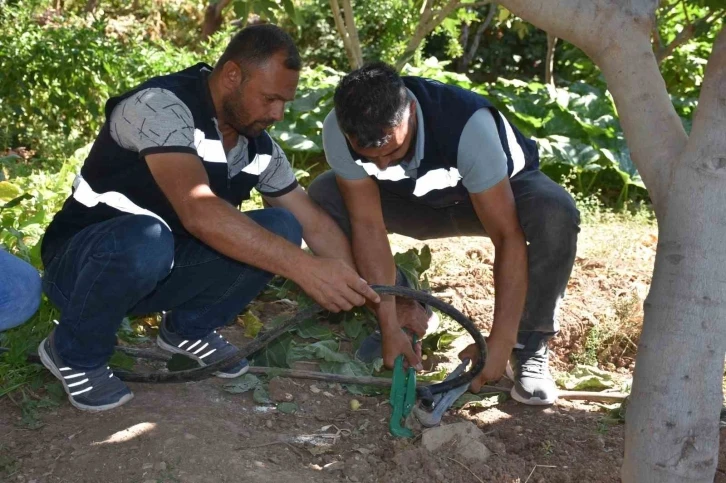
[{"x": 197, "y": 432}]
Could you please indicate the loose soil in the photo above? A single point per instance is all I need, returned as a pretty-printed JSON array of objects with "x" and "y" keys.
[{"x": 197, "y": 432}]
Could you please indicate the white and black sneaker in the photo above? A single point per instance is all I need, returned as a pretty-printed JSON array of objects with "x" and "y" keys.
[
  {"x": 207, "y": 350},
  {"x": 529, "y": 369},
  {"x": 89, "y": 390}
]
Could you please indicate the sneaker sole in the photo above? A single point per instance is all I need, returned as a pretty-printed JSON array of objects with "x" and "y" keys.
[
  {"x": 176, "y": 350},
  {"x": 50, "y": 365},
  {"x": 530, "y": 401}
]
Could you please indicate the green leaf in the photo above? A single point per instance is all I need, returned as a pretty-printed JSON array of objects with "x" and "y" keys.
[
  {"x": 122, "y": 361},
  {"x": 584, "y": 378},
  {"x": 351, "y": 367},
  {"x": 413, "y": 264},
  {"x": 242, "y": 384},
  {"x": 313, "y": 329},
  {"x": 352, "y": 325},
  {"x": 275, "y": 353},
  {"x": 326, "y": 350},
  {"x": 260, "y": 395},
  {"x": 252, "y": 324},
  {"x": 8, "y": 191},
  {"x": 287, "y": 407},
  {"x": 179, "y": 362},
  {"x": 291, "y": 11}
]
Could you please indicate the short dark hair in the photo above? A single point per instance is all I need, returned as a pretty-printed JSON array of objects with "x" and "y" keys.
[
  {"x": 369, "y": 102},
  {"x": 255, "y": 45}
]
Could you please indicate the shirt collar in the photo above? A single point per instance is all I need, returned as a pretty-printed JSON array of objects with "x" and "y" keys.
[{"x": 414, "y": 163}]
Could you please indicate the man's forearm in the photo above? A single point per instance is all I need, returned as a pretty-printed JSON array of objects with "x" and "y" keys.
[
  {"x": 374, "y": 260},
  {"x": 325, "y": 238},
  {"x": 510, "y": 286},
  {"x": 222, "y": 227}
]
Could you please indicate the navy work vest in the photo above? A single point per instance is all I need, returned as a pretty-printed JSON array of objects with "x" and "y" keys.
[
  {"x": 115, "y": 181},
  {"x": 446, "y": 110}
]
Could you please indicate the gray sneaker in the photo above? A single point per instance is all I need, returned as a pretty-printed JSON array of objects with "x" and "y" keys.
[
  {"x": 529, "y": 369},
  {"x": 89, "y": 390},
  {"x": 207, "y": 350}
]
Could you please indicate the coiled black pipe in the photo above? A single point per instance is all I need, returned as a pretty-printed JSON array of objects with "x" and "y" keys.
[{"x": 425, "y": 393}]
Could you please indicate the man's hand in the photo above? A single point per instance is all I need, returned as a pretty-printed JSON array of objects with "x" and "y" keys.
[
  {"x": 412, "y": 316},
  {"x": 395, "y": 343},
  {"x": 498, "y": 353},
  {"x": 334, "y": 285}
]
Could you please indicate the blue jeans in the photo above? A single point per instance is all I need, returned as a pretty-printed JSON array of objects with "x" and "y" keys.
[
  {"x": 133, "y": 265},
  {"x": 548, "y": 216},
  {"x": 19, "y": 291}
]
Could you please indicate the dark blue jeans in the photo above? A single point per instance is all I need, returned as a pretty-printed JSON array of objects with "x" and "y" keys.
[
  {"x": 19, "y": 291},
  {"x": 548, "y": 216},
  {"x": 133, "y": 265}
]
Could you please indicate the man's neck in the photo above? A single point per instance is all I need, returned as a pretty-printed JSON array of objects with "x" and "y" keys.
[{"x": 230, "y": 136}]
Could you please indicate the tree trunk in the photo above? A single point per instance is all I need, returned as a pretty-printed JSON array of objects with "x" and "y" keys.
[
  {"x": 345, "y": 24},
  {"x": 550, "y": 60},
  {"x": 672, "y": 430},
  {"x": 213, "y": 18},
  {"x": 470, "y": 52},
  {"x": 672, "y": 420}
]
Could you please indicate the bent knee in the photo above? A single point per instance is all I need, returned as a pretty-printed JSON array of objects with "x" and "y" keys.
[{"x": 282, "y": 222}]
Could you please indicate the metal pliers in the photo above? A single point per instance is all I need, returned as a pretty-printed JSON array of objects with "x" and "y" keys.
[{"x": 431, "y": 415}]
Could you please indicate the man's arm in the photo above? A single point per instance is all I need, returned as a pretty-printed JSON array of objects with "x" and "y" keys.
[
  {"x": 218, "y": 224},
  {"x": 373, "y": 257},
  {"x": 497, "y": 212},
  {"x": 321, "y": 233}
]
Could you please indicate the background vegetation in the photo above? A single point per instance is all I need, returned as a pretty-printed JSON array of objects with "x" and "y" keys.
[{"x": 61, "y": 59}]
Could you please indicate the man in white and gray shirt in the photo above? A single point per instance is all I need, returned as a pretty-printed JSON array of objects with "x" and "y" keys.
[
  {"x": 153, "y": 222},
  {"x": 427, "y": 160}
]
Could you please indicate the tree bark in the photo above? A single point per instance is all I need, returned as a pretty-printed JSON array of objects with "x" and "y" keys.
[
  {"x": 470, "y": 52},
  {"x": 345, "y": 24},
  {"x": 213, "y": 18},
  {"x": 672, "y": 420},
  {"x": 672, "y": 429},
  {"x": 550, "y": 60}
]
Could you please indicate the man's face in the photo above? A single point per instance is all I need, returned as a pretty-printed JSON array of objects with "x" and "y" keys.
[
  {"x": 257, "y": 101},
  {"x": 400, "y": 146}
]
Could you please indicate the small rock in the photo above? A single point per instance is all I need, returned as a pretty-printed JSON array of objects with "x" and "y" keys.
[
  {"x": 268, "y": 423},
  {"x": 147, "y": 466},
  {"x": 149, "y": 481},
  {"x": 518, "y": 429},
  {"x": 314, "y": 389},
  {"x": 274, "y": 459},
  {"x": 189, "y": 436},
  {"x": 277, "y": 390},
  {"x": 466, "y": 434},
  {"x": 161, "y": 466},
  {"x": 259, "y": 464}
]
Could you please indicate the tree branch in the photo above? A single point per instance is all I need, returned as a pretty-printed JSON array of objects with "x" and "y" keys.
[
  {"x": 471, "y": 52},
  {"x": 550, "y": 60},
  {"x": 706, "y": 134},
  {"x": 353, "y": 33},
  {"x": 428, "y": 22},
  {"x": 344, "y": 34},
  {"x": 618, "y": 41},
  {"x": 683, "y": 36}
]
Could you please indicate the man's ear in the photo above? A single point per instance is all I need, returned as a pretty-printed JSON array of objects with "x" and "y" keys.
[
  {"x": 232, "y": 75},
  {"x": 412, "y": 106}
]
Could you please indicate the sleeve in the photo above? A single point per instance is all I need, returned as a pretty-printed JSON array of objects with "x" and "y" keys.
[
  {"x": 336, "y": 151},
  {"x": 481, "y": 160},
  {"x": 278, "y": 178},
  {"x": 153, "y": 121}
]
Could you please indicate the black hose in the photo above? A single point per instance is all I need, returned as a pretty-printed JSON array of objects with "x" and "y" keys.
[{"x": 425, "y": 393}]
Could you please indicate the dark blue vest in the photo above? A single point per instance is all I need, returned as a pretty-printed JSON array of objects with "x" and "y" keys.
[
  {"x": 446, "y": 110},
  {"x": 111, "y": 168}
]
